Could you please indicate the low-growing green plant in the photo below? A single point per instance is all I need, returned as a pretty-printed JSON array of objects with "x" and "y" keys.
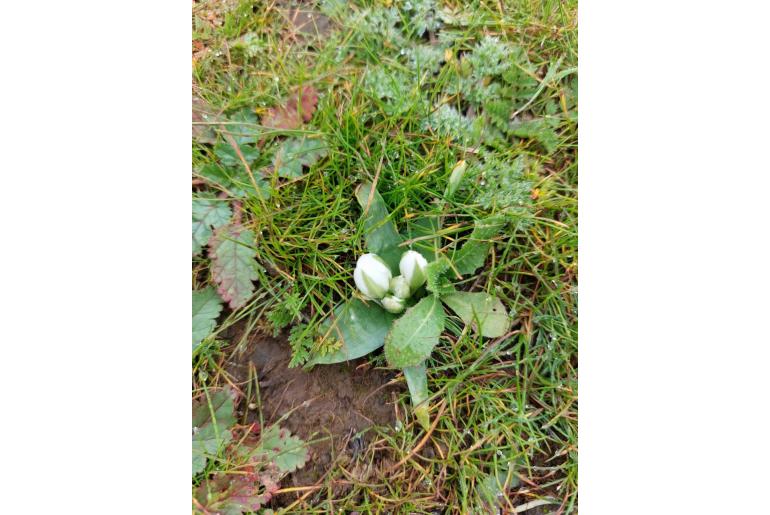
[
  {"x": 395, "y": 93},
  {"x": 422, "y": 291}
]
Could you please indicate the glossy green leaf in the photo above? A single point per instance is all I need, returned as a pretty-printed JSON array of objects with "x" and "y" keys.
[
  {"x": 359, "y": 327},
  {"x": 206, "y": 307},
  {"x": 482, "y": 310},
  {"x": 413, "y": 336},
  {"x": 380, "y": 232},
  {"x": 474, "y": 251},
  {"x": 417, "y": 381}
]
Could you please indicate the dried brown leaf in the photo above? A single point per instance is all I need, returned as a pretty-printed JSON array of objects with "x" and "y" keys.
[{"x": 300, "y": 107}]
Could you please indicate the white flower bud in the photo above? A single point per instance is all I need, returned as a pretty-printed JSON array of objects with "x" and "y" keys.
[
  {"x": 412, "y": 267},
  {"x": 393, "y": 304},
  {"x": 399, "y": 287},
  {"x": 372, "y": 276},
  {"x": 454, "y": 179}
]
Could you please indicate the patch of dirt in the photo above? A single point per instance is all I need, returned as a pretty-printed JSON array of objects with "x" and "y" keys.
[{"x": 335, "y": 401}]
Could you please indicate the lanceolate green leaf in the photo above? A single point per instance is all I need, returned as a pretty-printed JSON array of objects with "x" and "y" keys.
[
  {"x": 381, "y": 235},
  {"x": 360, "y": 328},
  {"x": 413, "y": 336},
  {"x": 417, "y": 380},
  {"x": 206, "y": 307},
  {"x": 474, "y": 252},
  {"x": 233, "y": 264},
  {"x": 481, "y": 309}
]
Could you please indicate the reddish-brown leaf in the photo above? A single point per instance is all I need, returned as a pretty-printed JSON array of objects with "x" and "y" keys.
[
  {"x": 233, "y": 264},
  {"x": 300, "y": 107}
]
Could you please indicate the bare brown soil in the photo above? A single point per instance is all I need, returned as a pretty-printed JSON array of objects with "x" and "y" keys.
[{"x": 333, "y": 402}]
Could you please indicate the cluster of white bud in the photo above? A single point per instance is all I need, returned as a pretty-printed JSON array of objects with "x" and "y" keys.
[{"x": 375, "y": 281}]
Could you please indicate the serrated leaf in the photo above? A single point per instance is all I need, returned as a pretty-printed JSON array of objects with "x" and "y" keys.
[
  {"x": 234, "y": 181},
  {"x": 206, "y": 307},
  {"x": 448, "y": 121},
  {"x": 243, "y": 127},
  {"x": 295, "y": 153},
  {"x": 227, "y": 155},
  {"x": 380, "y": 232},
  {"x": 201, "y": 233},
  {"x": 480, "y": 309},
  {"x": 207, "y": 214},
  {"x": 473, "y": 253},
  {"x": 221, "y": 409},
  {"x": 504, "y": 187},
  {"x": 245, "y": 491},
  {"x": 499, "y": 112},
  {"x": 212, "y": 212},
  {"x": 360, "y": 328},
  {"x": 413, "y": 336},
  {"x": 417, "y": 381},
  {"x": 207, "y": 443},
  {"x": 422, "y": 15},
  {"x": 198, "y": 463},
  {"x": 490, "y": 57},
  {"x": 396, "y": 92},
  {"x": 288, "y": 452},
  {"x": 540, "y": 129},
  {"x": 210, "y": 425},
  {"x": 426, "y": 58},
  {"x": 232, "y": 264},
  {"x": 436, "y": 281}
]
